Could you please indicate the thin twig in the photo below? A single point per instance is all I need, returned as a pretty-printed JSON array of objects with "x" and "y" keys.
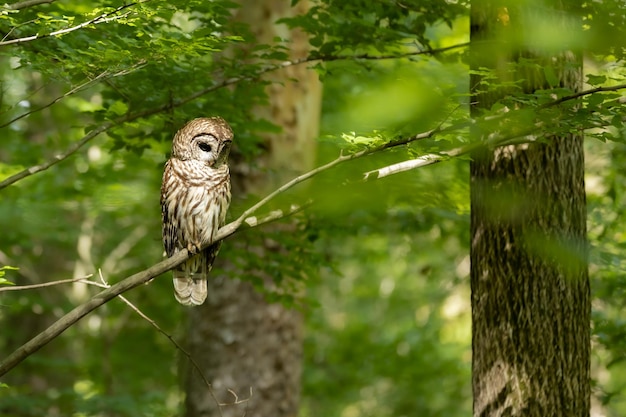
[
  {"x": 113, "y": 291},
  {"x": 328, "y": 58},
  {"x": 28, "y": 3},
  {"x": 14, "y": 28},
  {"x": 59, "y": 157},
  {"x": 583, "y": 93},
  {"x": 90, "y": 83},
  {"x": 103, "y": 18},
  {"x": 56, "y": 100},
  {"x": 43, "y": 284},
  {"x": 154, "y": 324}
]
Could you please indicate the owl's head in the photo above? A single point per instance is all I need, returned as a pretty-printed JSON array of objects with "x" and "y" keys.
[{"x": 205, "y": 139}]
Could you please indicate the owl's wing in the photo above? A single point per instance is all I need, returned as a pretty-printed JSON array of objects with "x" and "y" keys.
[{"x": 168, "y": 220}]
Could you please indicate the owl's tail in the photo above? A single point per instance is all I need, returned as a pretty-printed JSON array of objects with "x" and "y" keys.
[{"x": 190, "y": 291}]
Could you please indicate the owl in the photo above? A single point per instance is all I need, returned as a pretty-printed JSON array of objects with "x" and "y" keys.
[{"x": 195, "y": 196}]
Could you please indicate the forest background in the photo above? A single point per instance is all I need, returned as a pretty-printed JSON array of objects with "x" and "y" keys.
[{"x": 364, "y": 274}]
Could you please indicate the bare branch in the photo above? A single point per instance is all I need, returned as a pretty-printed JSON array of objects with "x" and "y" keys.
[
  {"x": 43, "y": 284},
  {"x": 104, "y": 284},
  {"x": 28, "y": 3},
  {"x": 328, "y": 58},
  {"x": 90, "y": 83},
  {"x": 57, "y": 158},
  {"x": 584, "y": 93},
  {"x": 115, "y": 290},
  {"x": 403, "y": 166},
  {"x": 422, "y": 161},
  {"x": 103, "y": 18}
]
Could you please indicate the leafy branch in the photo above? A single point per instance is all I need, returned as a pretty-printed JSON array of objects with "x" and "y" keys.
[
  {"x": 527, "y": 135},
  {"x": 129, "y": 117},
  {"x": 103, "y": 18},
  {"x": 145, "y": 276},
  {"x": 177, "y": 103}
]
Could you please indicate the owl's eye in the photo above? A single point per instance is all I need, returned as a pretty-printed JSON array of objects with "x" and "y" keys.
[{"x": 205, "y": 147}]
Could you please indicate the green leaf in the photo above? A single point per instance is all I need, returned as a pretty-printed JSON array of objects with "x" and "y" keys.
[
  {"x": 595, "y": 79},
  {"x": 4, "y": 281},
  {"x": 7, "y": 268},
  {"x": 595, "y": 100},
  {"x": 118, "y": 108}
]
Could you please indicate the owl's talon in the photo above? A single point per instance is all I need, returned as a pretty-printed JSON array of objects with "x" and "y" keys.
[{"x": 193, "y": 248}]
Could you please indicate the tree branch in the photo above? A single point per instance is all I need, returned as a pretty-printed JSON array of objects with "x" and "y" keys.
[
  {"x": 154, "y": 324},
  {"x": 115, "y": 290},
  {"x": 329, "y": 58},
  {"x": 87, "y": 84},
  {"x": 145, "y": 276},
  {"x": 584, "y": 93},
  {"x": 103, "y": 18},
  {"x": 43, "y": 284},
  {"x": 131, "y": 117},
  {"x": 28, "y": 3},
  {"x": 497, "y": 140},
  {"x": 57, "y": 158}
]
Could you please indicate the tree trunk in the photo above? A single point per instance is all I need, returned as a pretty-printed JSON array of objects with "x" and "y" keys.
[
  {"x": 244, "y": 345},
  {"x": 529, "y": 278}
]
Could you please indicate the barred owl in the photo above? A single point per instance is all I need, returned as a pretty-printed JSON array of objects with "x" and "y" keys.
[{"x": 194, "y": 198}]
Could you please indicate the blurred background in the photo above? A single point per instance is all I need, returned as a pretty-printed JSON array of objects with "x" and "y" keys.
[{"x": 375, "y": 273}]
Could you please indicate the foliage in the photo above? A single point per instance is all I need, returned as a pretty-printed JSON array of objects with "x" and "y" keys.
[
  {"x": 3, "y": 280},
  {"x": 387, "y": 310},
  {"x": 358, "y": 26}
]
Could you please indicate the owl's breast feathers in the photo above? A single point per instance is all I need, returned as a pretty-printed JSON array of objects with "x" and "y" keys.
[{"x": 194, "y": 201}]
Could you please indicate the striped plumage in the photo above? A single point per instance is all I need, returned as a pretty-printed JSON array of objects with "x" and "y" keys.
[{"x": 195, "y": 196}]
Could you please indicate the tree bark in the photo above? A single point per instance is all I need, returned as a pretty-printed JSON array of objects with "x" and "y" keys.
[
  {"x": 529, "y": 277},
  {"x": 241, "y": 342}
]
